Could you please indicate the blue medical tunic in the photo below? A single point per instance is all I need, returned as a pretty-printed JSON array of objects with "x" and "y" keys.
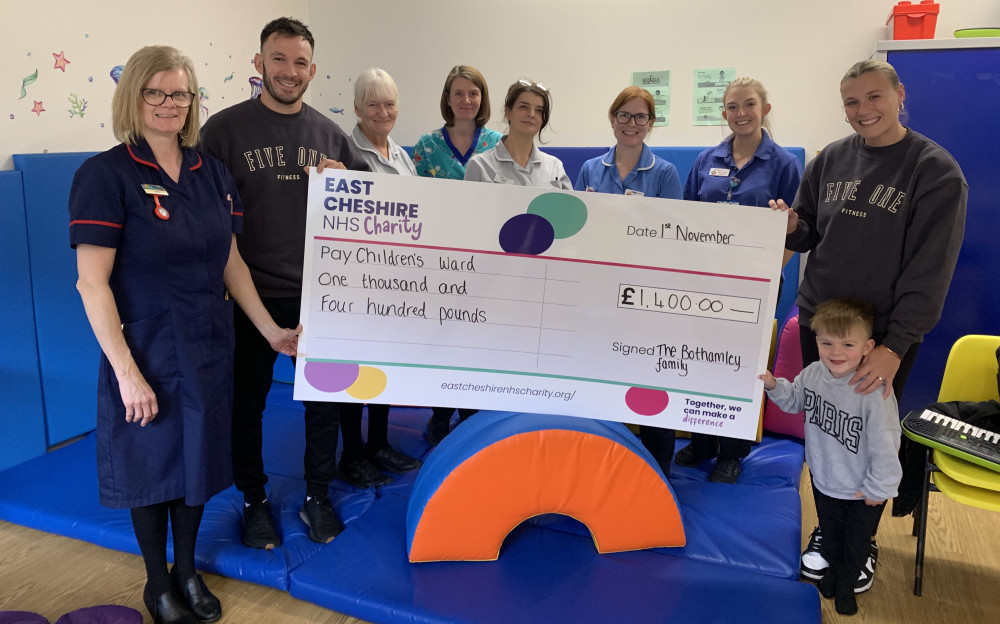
[
  {"x": 772, "y": 173},
  {"x": 167, "y": 281},
  {"x": 652, "y": 176}
]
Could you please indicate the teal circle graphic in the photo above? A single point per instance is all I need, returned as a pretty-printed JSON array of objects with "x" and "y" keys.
[{"x": 567, "y": 213}]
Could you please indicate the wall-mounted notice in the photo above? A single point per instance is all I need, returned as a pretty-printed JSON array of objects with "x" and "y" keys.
[
  {"x": 709, "y": 86},
  {"x": 437, "y": 292},
  {"x": 658, "y": 84}
]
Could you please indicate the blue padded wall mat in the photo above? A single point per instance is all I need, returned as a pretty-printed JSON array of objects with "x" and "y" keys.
[
  {"x": 67, "y": 350},
  {"x": 541, "y": 576},
  {"x": 20, "y": 384}
]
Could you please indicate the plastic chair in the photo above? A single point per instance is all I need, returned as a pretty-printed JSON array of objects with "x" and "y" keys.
[{"x": 969, "y": 375}]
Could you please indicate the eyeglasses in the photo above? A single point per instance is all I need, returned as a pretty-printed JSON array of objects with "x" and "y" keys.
[
  {"x": 528, "y": 83},
  {"x": 155, "y": 97},
  {"x": 641, "y": 119},
  {"x": 733, "y": 183}
]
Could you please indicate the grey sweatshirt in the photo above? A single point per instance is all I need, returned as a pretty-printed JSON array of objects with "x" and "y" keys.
[
  {"x": 852, "y": 439},
  {"x": 884, "y": 224}
]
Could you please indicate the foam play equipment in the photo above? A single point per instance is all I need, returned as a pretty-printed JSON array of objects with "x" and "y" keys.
[
  {"x": 787, "y": 364},
  {"x": 743, "y": 541},
  {"x": 501, "y": 468}
]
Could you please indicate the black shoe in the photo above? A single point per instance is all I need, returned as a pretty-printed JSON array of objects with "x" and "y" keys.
[
  {"x": 167, "y": 608},
  {"x": 867, "y": 575},
  {"x": 194, "y": 593},
  {"x": 845, "y": 603},
  {"x": 392, "y": 460},
  {"x": 726, "y": 471},
  {"x": 686, "y": 456},
  {"x": 812, "y": 564},
  {"x": 258, "y": 526},
  {"x": 361, "y": 473},
  {"x": 827, "y": 585},
  {"x": 317, "y": 513}
]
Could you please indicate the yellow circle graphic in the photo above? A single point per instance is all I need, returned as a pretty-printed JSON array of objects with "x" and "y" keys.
[{"x": 370, "y": 383}]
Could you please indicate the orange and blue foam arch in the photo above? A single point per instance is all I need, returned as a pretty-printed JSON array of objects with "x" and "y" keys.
[{"x": 501, "y": 468}]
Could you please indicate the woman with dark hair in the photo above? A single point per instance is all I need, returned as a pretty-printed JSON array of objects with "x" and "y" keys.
[
  {"x": 154, "y": 224},
  {"x": 465, "y": 107},
  {"x": 515, "y": 159}
]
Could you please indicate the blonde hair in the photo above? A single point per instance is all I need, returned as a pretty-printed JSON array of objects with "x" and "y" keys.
[
  {"x": 374, "y": 82},
  {"x": 127, "y": 103},
  {"x": 839, "y": 316},
  {"x": 756, "y": 85},
  {"x": 865, "y": 67}
]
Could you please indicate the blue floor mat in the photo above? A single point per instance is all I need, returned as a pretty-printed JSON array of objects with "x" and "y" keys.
[{"x": 743, "y": 542}]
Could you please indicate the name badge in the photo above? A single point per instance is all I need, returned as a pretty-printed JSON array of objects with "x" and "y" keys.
[
  {"x": 499, "y": 179},
  {"x": 636, "y": 193},
  {"x": 153, "y": 189},
  {"x": 718, "y": 172}
]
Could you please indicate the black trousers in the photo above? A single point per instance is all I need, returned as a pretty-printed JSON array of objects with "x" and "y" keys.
[
  {"x": 911, "y": 454},
  {"x": 253, "y": 372},
  {"x": 704, "y": 445},
  {"x": 847, "y": 527}
]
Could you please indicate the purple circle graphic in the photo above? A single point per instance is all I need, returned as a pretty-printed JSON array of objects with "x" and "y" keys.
[
  {"x": 331, "y": 376},
  {"x": 526, "y": 234}
]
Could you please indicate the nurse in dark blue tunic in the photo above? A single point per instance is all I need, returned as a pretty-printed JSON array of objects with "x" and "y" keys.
[
  {"x": 153, "y": 223},
  {"x": 750, "y": 169}
]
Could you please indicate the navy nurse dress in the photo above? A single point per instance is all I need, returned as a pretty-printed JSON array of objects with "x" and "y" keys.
[{"x": 172, "y": 241}]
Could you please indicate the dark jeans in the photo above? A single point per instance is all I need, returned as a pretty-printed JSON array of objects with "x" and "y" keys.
[
  {"x": 350, "y": 427},
  {"x": 847, "y": 527},
  {"x": 253, "y": 372},
  {"x": 911, "y": 454},
  {"x": 440, "y": 422},
  {"x": 704, "y": 445},
  {"x": 660, "y": 444}
]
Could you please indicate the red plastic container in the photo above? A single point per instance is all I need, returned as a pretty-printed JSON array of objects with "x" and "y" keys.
[{"x": 913, "y": 21}]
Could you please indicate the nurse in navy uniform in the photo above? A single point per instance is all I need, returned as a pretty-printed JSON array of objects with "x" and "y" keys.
[{"x": 154, "y": 223}]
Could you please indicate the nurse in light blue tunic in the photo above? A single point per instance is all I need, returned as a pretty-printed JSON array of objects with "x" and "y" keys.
[
  {"x": 630, "y": 167},
  {"x": 153, "y": 222}
]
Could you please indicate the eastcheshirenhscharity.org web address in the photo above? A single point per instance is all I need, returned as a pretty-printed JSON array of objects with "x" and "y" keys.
[{"x": 519, "y": 390}]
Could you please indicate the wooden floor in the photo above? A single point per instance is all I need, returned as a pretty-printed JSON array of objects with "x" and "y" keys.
[{"x": 52, "y": 575}]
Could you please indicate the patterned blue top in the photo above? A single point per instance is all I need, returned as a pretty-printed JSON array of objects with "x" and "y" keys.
[{"x": 436, "y": 157}]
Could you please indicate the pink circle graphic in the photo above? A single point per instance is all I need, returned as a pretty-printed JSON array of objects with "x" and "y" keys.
[
  {"x": 646, "y": 402},
  {"x": 331, "y": 376}
]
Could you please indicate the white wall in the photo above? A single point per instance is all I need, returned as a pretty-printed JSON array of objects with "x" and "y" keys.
[
  {"x": 583, "y": 50},
  {"x": 586, "y": 50},
  {"x": 220, "y": 37}
]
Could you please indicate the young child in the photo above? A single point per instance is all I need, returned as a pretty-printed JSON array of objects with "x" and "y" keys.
[{"x": 852, "y": 441}]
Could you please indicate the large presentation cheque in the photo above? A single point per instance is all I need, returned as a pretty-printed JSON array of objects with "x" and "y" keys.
[{"x": 419, "y": 291}]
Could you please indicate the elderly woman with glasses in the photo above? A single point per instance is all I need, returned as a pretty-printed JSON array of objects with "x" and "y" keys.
[
  {"x": 154, "y": 222},
  {"x": 515, "y": 159},
  {"x": 630, "y": 167}
]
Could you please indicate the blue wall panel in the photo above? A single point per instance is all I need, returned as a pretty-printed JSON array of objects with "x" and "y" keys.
[
  {"x": 953, "y": 97},
  {"x": 22, "y": 427},
  {"x": 67, "y": 350}
]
